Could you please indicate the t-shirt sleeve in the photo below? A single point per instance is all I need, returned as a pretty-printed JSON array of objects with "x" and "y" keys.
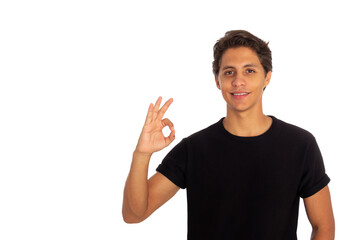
[
  {"x": 173, "y": 165},
  {"x": 314, "y": 177}
]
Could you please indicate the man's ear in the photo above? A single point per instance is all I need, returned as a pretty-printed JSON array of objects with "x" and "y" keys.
[
  {"x": 217, "y": 82},
  {"x": 267, "y": 79}
]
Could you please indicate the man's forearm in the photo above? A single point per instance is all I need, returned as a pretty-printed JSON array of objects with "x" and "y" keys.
[{"x": 136, "y": 187}]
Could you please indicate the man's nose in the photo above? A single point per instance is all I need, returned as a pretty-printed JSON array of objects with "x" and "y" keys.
[{"x": 238, "y": 80}]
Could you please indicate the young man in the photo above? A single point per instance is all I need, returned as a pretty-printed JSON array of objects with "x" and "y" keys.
[{"x": 245, "y": 174}]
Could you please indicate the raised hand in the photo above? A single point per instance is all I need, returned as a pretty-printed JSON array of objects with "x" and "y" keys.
[{"x": 152, "y": 138}]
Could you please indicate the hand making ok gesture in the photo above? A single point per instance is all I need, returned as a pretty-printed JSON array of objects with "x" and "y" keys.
[{"x": 152, "y": 138}]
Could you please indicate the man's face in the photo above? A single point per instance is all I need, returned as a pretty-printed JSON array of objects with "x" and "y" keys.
[{"x": 241, "y": 79}]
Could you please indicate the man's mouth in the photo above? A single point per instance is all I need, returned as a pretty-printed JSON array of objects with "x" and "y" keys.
[{"x": 239, "y": 94}]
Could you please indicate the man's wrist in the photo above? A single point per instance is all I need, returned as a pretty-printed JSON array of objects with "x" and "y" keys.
[{"x": 139, "y": 154}]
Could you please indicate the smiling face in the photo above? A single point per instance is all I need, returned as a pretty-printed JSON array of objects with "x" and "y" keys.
[{"x": 242, "y": 79}]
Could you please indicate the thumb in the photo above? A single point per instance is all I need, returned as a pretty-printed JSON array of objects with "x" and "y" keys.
[
  {"x": 166, "y": 122},
  {"x": 170, "y": 138}
]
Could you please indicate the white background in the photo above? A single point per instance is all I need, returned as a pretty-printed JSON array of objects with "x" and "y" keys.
[{"x": 77, "y": 78}]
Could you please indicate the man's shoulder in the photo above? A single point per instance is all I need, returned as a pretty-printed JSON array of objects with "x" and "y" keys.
[
  {"x": 207, "y": 132},
  {"x": 284, "y": 129},
  {"x": 292, "y": 131}
]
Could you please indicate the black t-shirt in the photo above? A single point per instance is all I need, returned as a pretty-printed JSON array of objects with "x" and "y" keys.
[{"x": 246, "y": 187}]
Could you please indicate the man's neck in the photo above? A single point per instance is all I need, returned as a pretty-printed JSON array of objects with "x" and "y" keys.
[{"x": 247, "y": 124}]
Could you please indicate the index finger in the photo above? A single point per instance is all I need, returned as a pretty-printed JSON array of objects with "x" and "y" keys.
[{"x": 164, "y": 108}]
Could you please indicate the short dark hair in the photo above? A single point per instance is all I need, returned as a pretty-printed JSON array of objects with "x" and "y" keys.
[{"x": 242, "y": 38}]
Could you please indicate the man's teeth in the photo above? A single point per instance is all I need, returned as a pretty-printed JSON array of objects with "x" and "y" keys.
[{"x": 239, "y": 94}]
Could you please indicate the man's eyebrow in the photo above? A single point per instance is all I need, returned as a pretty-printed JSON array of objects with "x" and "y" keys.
[
  {"x": 251, "y": 65},
  {"x": 245, "y": 66},
  {"x": 227, "y": 67}
]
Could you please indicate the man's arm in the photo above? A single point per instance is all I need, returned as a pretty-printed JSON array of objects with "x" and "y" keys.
[
  {"x": 142, "y": 196},
  {"x": 320, "y": 214},
  {"x": 160, "y": 190}
]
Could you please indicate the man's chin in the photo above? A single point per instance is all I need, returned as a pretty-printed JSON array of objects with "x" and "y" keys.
[{"x": 236, "y": 109}]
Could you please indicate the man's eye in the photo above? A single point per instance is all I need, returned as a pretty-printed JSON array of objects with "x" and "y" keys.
[
  {"x": 228, "y": 72},
  {"x": 250, "y": 71}
]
